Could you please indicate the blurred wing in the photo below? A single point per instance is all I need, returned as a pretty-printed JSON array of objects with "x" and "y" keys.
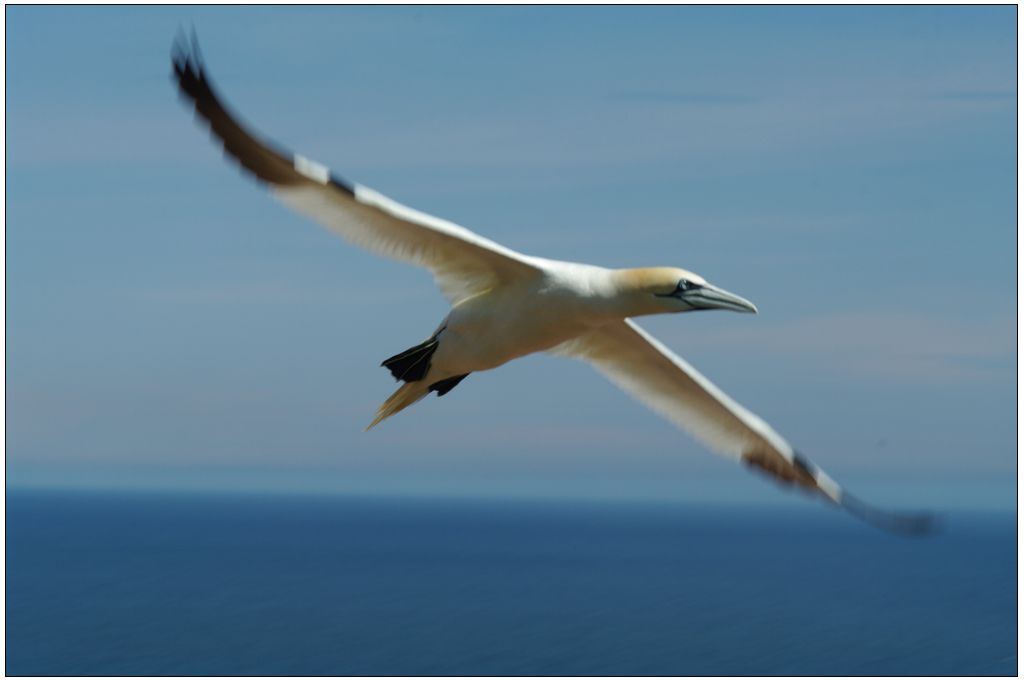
[
  {"x": 463, "y": 263},
  {"x": 653, "y": 374}
]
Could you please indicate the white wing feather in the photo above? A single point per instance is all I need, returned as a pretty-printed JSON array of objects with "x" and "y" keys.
[
  {"x": 653, "y": 374},
  {"x": 463, "y": 263}
]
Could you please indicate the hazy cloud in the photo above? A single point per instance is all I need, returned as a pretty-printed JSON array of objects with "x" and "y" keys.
[
  {"x": 974, "y": 95},
  {"x": 879, "y": 345},
  {"x": 685, "y": 98}
]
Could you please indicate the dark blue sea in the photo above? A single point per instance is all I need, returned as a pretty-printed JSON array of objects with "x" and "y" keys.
[{"x": 157, "y": 584}]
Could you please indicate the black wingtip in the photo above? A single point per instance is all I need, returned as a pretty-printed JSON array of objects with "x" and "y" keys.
[
  {"x": 187, "y": 61},
  {"x": 905, "y": 524},
  {"x": 257, "y": 156}
]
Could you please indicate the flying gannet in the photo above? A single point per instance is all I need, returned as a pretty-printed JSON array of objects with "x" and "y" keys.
[{"x": 505, "y": 305}]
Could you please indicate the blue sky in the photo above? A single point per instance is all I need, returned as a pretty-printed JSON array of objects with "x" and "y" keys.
[{"x": 850, "y": 170}]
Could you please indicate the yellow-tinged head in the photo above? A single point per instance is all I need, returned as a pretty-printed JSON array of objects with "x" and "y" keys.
[{"x": 660, "y": 290}]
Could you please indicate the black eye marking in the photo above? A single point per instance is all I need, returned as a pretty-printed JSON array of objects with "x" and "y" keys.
[{"x": 683, "y": 286}]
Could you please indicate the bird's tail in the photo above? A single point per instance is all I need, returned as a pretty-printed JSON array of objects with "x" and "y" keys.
[{"x": 404, "y": 397}]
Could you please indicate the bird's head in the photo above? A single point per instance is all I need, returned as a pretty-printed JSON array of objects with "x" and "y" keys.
[{"x": 661, "y": 290}]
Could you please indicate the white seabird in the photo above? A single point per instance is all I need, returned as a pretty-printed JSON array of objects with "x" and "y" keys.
[{"x": 506, "y": 305}]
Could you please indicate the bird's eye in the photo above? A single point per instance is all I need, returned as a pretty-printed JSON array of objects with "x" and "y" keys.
[{"x": 684, "y": 285}]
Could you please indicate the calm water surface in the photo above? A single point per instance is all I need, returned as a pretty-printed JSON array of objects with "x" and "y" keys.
[{"x": 151, "y": 584}]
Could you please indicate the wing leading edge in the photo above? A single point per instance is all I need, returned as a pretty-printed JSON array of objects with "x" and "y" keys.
[{"x": 653, "y": 374}]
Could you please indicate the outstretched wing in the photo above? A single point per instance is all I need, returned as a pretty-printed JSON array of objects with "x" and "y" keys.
[
  {"x": 652, "y": 373},
  {"x": 463, "y": 263}
]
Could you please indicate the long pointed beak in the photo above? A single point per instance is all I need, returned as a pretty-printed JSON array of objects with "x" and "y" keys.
[{"x": 713, "y": 297}]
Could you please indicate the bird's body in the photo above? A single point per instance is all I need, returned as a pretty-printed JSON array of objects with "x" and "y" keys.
[
  {"x": 513, "y": 320},
  {"x": 560, "y": 302},
  {"x": 551, "y": 304},
  {"x": 506, "y": 305}
]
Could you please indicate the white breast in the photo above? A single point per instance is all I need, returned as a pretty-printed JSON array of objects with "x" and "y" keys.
[{"x": 512, "y": 321}]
